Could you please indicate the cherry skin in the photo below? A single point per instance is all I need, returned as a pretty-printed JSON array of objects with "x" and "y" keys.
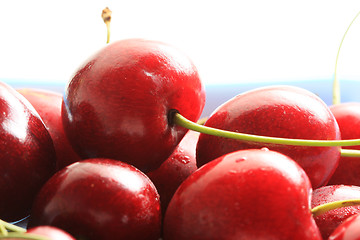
[
  {"x": 246, "y": 194},
  {"x": 348, "y": 230},
  {"x": 27, "y": 155},
  {"x": 276, "y": 111},
  {"x": 52, "y": 232},
  {"x": 330, "y": 220},
  {"x": 348, "y": 118},
  {"x": 181, "y": 164},
  {"x": 99, "y": 199},
  {"x": 117, "y": 104},
  {"x": 48, "y": 105}
]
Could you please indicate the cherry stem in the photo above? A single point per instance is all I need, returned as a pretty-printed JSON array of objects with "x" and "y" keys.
[
  {"x": 12, "y": 227},
  {"x": 318, "y": 210},
  {"x": 17, "y": 235},
  {"x": 336, "y": 85},
  {"x": 106, "y": 16},
  {"x": 184, "y": 122}
]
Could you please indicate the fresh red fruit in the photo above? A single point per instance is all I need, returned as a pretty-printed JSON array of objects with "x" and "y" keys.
[
  {"x": 100, "y": 199},
  {"x": 348, "y": 230},
  {"x": 48, "y": 105},
  {"x": 276, "y": 111},
  {"x": 181, "y": 164},
  {"x": 328, "y": 221},
  {"x": 52, "y": 232},
  {"x": 348, "y": 117},
  {"x": 247, "y": 194},
  {"x": 119, "y": 103},
  {"x": 27, "y": 155}
]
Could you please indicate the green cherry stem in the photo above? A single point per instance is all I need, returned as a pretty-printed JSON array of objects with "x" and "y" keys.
[
  {"x": 184, "y": 122},
  {"x": 17, "y": 235},
  {"x": 318, "y": 210},
  {"x": 336, "y": 85},
  {"x": 12, "y": 227},
  {"x": 350, "y": 153}
]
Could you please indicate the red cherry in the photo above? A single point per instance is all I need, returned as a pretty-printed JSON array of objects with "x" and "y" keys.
[
  {"x": 328, "y": 221},
  {"x": 181, "y": 164},
  {"x": 348, "y": 230},
  {"x": 247, "y": 194},
  {"x": 348, "y": 118},
  {"x": 27, "y": 155},
  {"x": 52, "y": 232},
  {"x": 276, "y": 111},
  {"x": 117, "y": 105},
  {"x": 48, "y": 105},
  {"x": 100, "y": 199}
]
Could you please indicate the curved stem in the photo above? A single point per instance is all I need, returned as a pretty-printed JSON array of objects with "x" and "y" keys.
[
  {"x": 318, "y": 210},
  {"x": 12, "y": 227},
  {"x": 336, "y": 85},
  {"x": 17, "y": 235},
  {"x": 183, "y": 122}
]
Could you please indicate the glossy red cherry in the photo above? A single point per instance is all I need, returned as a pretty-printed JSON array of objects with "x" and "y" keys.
[
  {"x": 247, "y": 194},
  {"x": 27, "y": 155},
  {"x": 348, "y": 117},
  {"x": 181, "y": 164},
  {"x": 276, "y": 111},
  {"x": 48, "y": 105},
  {"x": 100, "y": 199},
  {"x": 328, "y": 221},
  {"x": 348, "y": 230},
  {"x": 117, "y": 105}
]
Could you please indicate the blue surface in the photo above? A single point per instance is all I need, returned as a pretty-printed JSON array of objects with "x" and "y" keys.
[{"x": 218, "y": 94}]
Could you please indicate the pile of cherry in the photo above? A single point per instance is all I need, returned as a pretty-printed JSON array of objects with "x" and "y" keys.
[{"x": 112, "y": 158}]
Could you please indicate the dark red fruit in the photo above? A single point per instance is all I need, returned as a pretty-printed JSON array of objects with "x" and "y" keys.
[
  {"x": 247, "y": 194},
  {"x": 348, "y": 230},
  {"x": 328, "y": 221},
  {"x": 348, "y": 117},
  {"x": 48, "y": 105},
  {"x": 27, "y": 155},
  {"x": 181, "y": 164},
  {"x": 277, "y": 111},
  {"x": 117, "y": 105},
  {"x": 100, "y": 199}
]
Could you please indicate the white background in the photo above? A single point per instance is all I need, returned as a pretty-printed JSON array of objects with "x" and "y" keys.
[{"x": 229, "y": 41}]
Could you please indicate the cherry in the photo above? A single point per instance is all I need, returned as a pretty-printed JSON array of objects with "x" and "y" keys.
[
  {"x": 276, "y": 111},
  {"x": 181, "y": 164},
  {"x": 348, "y": 118},
  {"x": 328, "y": 221},
  {"x": 348, "y": 230},
  {"x": 246, "y": 194},
  {"x": 99, "y": 199},
  {"x": 48, "y": 105},
  {"x": 117, "y": 105},
  {"x": 27, "y": 155}
]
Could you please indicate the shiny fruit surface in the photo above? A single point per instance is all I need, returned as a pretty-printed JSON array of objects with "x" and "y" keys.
[
  {"x": 27, "y": 155},
  {"x": 48, "y": 105},
  {"x": 100, "y": 199},
  {"x": 277, "y": 111},
  {"x": 117, "y": 105},
  {"x": 247, "y": 194},
  {"x": 348, "y": 117},
  {"x": 328, "y": 221}
]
